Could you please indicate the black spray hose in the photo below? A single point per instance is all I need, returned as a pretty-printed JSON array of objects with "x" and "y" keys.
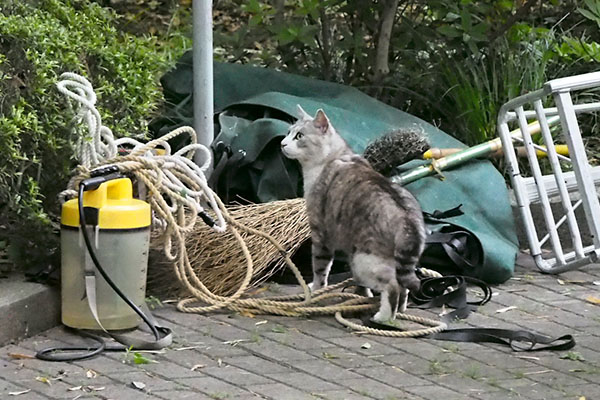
[
  {"x": 88, "y": 245},
  {"x": 54, "y": 353}
]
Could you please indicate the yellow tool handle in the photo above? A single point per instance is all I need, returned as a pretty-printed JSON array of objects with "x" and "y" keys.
[{"x": 437, "y": 153}]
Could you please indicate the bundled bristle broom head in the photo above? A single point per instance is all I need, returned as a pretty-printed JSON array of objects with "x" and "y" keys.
[
  {"x": 217, "y": 258},
  {"x": 396, "y": 148}
]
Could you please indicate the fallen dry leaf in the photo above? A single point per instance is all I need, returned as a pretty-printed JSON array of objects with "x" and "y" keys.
[
  {"x": 235, "y": 342},
  {"x": 197, "y": 366},
  {"x": 43, "y": 379},
  {"x": 593, "y": 300},
  {"x": 187, "y": 348},
  {"x": 503, "y": 310},
  {"x": 20, "y": 356},
  {"x": 90, "y": 373},
  {"x": 258, "y": 291},
  {"x": 560, "y": 281},
  {"x": 247, "y": 314},
  {"x": 19, "y": 393},
  {"x": 529, "y": 358},
  {"x": 93, "y": 388}
]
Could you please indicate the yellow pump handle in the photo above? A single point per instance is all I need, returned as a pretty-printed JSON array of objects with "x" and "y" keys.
[{"x": 117, "y": 209}]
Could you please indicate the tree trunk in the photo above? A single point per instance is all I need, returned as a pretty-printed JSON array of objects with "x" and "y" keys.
[{"x": 387, "y": 17}]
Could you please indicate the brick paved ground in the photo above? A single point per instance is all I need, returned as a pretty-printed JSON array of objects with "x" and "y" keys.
[{"x": 227, "y": 356}]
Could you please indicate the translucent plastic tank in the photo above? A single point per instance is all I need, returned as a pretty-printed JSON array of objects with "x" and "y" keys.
[{"x": 121, "y": 240}]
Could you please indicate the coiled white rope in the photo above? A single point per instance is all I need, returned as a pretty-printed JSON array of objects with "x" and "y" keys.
[{"x": 98, "y": 147}]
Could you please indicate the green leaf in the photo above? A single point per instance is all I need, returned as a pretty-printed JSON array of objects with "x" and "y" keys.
[
  {"x": 138, "y": 358},
  {"x": 279, "y": 329},
  {"x": 465, "y": 19},
  {"x": 449, "y": 31},
  {"x": 451, "y": 17},
  {"x": 589, "y": 15}
]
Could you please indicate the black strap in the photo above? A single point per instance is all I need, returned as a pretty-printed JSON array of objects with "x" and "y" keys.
[
  {"x": 518, "y": 340},
  {"x": 458, "y": 246},
  {"x": 437, "y": 214},
  {"x": 435, "y": 292},
  {"x": 451, "y": 291}
]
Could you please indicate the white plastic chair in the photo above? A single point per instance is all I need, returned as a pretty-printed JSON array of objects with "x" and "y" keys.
[{"x": 553, "y": 253}]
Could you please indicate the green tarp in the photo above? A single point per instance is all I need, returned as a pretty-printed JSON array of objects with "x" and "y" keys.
[{"x": 256, "y": 105}]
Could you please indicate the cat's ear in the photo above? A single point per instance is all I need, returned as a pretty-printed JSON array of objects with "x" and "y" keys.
[
  {"x": 321, "y": 121},
  {"x": 301, "y": 113}
]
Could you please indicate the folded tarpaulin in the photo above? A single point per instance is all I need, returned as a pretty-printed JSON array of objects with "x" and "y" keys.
[{"x": 255, "y": 106}]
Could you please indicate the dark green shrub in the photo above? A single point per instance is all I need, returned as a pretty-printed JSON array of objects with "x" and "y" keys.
[{"x": 40, "y": 39}]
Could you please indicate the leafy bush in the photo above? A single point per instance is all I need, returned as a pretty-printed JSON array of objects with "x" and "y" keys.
[
  {"x": 40, "y": 39},
  {"x": 453, "y": 63}
]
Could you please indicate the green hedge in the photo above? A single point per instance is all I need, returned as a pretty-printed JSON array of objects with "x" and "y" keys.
[{"x": 39, "y": 40}]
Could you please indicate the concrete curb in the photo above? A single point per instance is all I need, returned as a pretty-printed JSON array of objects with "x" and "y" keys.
[{"x": 26, "y": 308}]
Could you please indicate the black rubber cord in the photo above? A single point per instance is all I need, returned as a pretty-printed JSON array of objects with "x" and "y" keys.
[{"x": 114, "y": 287}]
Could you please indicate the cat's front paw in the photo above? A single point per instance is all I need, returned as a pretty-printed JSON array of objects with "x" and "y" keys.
[
  {"x": 314, "y": 286},
  {"x": 382, "y": 317}
]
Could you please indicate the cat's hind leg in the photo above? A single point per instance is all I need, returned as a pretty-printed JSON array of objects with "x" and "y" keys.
[
  {"x": 378, "y": 273},
  {"x": 322, "y": 259},
  {"x": 389, "y": 303}
]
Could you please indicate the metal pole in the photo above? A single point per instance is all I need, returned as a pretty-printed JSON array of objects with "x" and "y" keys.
[{"x": 203, "y": 73}]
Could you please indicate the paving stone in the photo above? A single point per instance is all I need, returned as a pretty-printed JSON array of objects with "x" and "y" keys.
[
  {"x": 341, "y": 395},
  {"x": 346, "y": 358},
  {"x": 467, "y": 385},
  {"x": 258, "y": 365},
  {"x": 408, "y": 362},
  {"x": 169, "y": 370},
  {"x": 374, "y": 389},
  {"x": 435, "y": 392},
  {"x": 589, "y": 391},
  {"x": 355, "y": 344},
  {"x": 393, "y": 376},
  {"x": 279, "y": 391},
  {"x": 153, "y": 383},
  {"x": 8, "y": 387},
  {"x": 187, "y": 358},
  {"x": 555, "y": 378},
  {"x": 273, "y": 350},
  {"x": 213, "y": 387},
  {"x": 183, "y": 394},
  {"x": 499, "y": 357},
  {"x": 316, "y": 328},
  {"x": 51, "y": 388},
  {"x": 236, "y": 376},
  {"x": 123, "y": 391},
  {"x": 296, "y": 339},
  {"x": 304, "y": 381},
  {"x": 325, "y": 369}
]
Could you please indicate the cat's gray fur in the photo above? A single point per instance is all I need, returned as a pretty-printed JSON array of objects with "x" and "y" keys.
[{"x": 353, "y": 209}]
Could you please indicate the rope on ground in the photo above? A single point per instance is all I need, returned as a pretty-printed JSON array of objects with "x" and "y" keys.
[{"x": 177, "y": 191}]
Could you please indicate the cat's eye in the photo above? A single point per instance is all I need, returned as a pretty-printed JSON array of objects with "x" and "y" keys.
[{"x": 298, "y": 136}]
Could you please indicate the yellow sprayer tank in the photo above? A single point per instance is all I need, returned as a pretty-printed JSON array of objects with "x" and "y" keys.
[{"x": 119, "y": 229}]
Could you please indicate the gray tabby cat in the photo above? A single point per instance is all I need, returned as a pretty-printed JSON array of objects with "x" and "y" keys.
[{"x": 353, "y": 209}]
